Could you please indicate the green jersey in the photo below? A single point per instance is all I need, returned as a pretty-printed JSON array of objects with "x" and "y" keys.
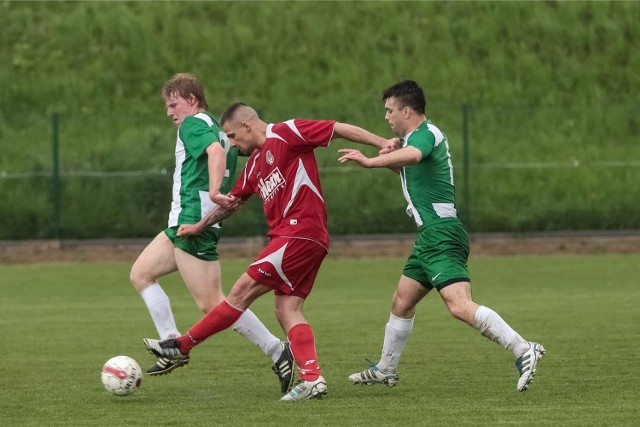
[
  {"x": 428, "y": 184},
  {"x": 191, "y": 177}
]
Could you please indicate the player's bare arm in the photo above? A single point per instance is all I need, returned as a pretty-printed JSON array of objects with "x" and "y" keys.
[
  {"x": 357, "y": 134},
  {"x": 217, "y": 164},
  {"x": 213, "y": 217},
  {"x": 403, "y": 157}
]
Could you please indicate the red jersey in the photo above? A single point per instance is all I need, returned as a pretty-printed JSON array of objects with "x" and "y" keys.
[{"x": 284, "y": 173}]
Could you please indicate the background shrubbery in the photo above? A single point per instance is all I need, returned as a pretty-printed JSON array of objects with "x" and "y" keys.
[{"x": 552, "y": 89}]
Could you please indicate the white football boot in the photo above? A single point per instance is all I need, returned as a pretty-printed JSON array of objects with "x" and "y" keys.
[
  {"x": 526, "y": 365},
  {"x": 307, "y": 390}
]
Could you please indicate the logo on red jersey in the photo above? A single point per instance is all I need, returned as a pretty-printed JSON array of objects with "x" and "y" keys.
[
  {"x": 271, "y": 184},
  {"x": 266, "y": 273},
  {"x": 269, "y": 157}
]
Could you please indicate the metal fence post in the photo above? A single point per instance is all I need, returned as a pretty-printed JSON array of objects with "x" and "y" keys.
[{"x": 55, "y": 184}]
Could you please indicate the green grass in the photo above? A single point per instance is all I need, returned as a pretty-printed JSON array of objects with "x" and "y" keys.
[{"x": 61, "y": 322}]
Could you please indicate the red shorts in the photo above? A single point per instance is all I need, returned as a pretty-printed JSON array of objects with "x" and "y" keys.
[{"x": 288, "y": 265}]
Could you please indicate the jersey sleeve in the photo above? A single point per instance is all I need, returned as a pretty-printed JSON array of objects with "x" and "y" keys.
[
  {"x": 197, "y": 135},
  {"x": 314, "y": 132},
  {"x": 241, "y": 191},
  {"x": 423, "y": 141},
  {"x": 244, "y": 184}
]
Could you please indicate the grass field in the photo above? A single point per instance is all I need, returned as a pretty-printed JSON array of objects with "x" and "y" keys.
[{"x": 60, "y": 322}]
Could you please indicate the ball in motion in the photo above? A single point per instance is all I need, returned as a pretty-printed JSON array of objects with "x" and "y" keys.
[{"x": 121, "y": 375}]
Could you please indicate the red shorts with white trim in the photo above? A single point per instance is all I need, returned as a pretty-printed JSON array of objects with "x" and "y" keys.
[{"x": 288, "y": 265}]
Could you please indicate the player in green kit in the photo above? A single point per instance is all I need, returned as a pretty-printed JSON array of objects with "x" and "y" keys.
[
  {"x": 439, "y": 257},
  {"x": 204, "y": 173}
]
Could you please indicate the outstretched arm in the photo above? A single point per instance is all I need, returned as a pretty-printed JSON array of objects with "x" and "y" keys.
[
  {"x": 403, "y": 157},
  {"x": 357, "y": 134}
]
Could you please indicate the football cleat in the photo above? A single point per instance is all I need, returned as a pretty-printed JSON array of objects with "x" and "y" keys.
[
  {"x": 283, "y": 368},
  {"x": 307, "y": 390},
  {"x": 373, "y": 375},
  {"x": 164, "y": 365},
  {"x": 526, "y": 365},
  {"x": 168, "y": 349}
]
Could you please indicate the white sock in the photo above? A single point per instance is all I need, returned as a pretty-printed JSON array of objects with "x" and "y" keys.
[
  {"x": 250, "y": 327},
  {"x": 492, "y": 326},
  {"x": 160, "y": 309},
  {"x": 396, "y": 334}
]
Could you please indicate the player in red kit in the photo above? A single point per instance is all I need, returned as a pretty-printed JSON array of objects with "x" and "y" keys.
[{"x": 282, "y": 170}]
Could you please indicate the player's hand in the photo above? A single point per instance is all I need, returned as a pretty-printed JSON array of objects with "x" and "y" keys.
[
  {"x": 189, "y": 229},
  {"x": 391, "y": 145},
  {"x": 226, "y": 201},
  {"x": 354, "y": 155}
]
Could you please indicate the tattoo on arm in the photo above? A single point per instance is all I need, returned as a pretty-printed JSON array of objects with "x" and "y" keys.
[{"x": 217, "y": 215}]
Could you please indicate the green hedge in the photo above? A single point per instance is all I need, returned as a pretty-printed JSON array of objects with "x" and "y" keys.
[{"x": 551, "y": 84}]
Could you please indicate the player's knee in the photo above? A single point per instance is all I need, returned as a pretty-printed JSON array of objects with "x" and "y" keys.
[
  {"x": 460, "y": 311},
  {"x": 456, "y": 311},
  {"x": 137, "y": 279},
  {"x": 402, "y": 307},
  {"x": 141, "y": 279}
]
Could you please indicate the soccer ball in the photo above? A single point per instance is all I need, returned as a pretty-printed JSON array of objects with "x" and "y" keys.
[{"x": 121, "y": 375}]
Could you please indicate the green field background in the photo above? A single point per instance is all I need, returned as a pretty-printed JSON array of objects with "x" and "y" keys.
[
  {"x": 61, "y": 322},
  {"x": 539, "y": 101}
]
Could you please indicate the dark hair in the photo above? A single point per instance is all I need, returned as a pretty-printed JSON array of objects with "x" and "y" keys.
[
  {"x": 185, "y": 84},
  {"x": 409, "y": 94},
  {"x": 230, "y": 112}
]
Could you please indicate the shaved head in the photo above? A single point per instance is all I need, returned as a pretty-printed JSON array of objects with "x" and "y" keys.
[
  {"x": 238, "y": 112},
  {"x": 243, "y": 127}
]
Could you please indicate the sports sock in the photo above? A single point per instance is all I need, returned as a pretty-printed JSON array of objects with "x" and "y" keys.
[
  {"x": 250, "y": 327},
  {"x": 218, "y": 319},
  {"x": 492, "y": 326},
  {"x": 303, "y": 349},
  {"x": 160, "y": 309},
  {"x": 396, "y": 334}
]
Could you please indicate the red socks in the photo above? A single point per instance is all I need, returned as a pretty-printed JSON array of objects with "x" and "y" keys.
[
  {"x": 303, "y": 348},
  {"x": 223, "y": 315},
  {"x": 220, "y": 318}
]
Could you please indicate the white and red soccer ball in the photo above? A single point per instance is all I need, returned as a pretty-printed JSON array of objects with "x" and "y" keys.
[{"x": 121, "y": 375}]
